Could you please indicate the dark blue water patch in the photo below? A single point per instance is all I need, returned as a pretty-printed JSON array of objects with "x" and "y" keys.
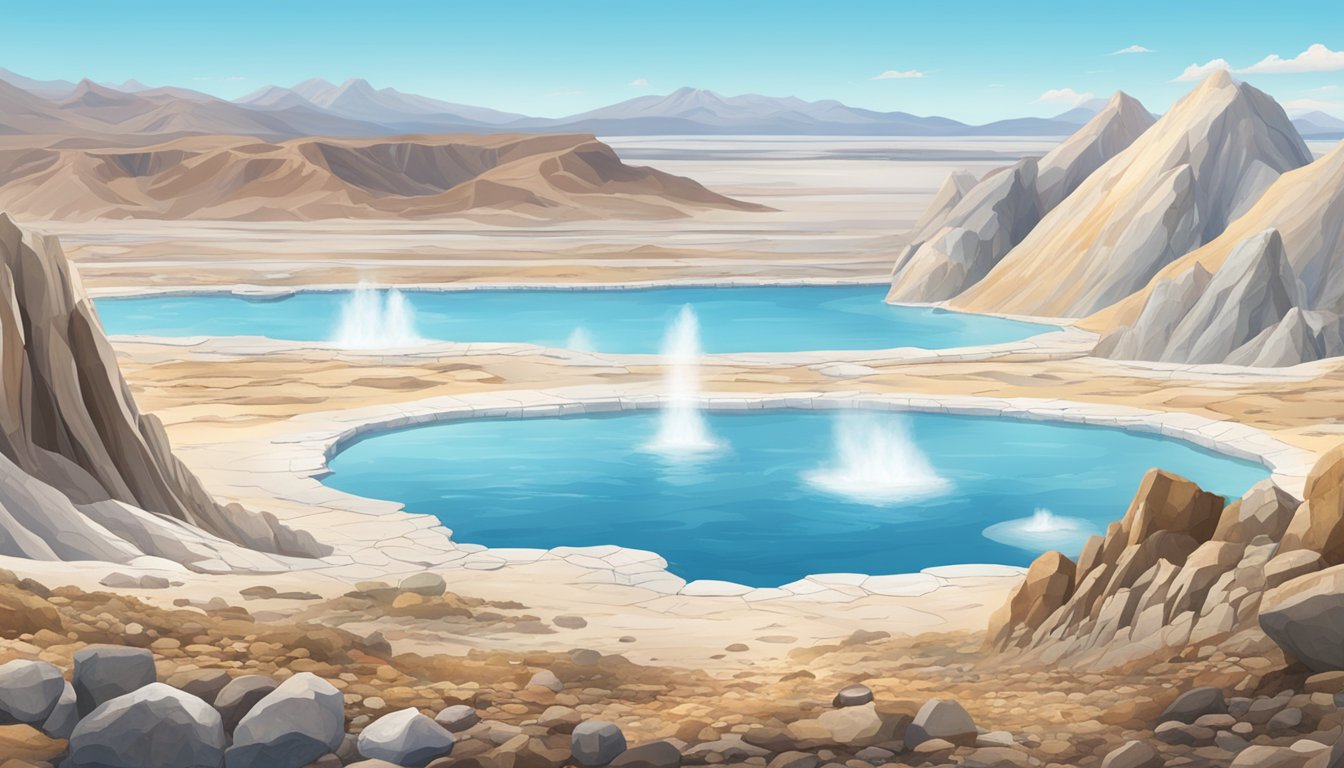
[
  {"x": 764, "y": 509},
  {"x": 732, "y": 319}
]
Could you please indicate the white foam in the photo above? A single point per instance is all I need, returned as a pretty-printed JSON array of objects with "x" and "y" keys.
[
  {"x": 1042, "y": 531},
  {"x": 374, "y": 319},
  {"x": 876, "y": 461}
]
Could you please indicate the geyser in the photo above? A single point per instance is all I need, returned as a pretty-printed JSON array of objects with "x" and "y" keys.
[
  {"x": 1042, "y": 531},
  {"x": 374, "y": 319},
  {"x": 681, "y": 426},
  {"x": 876, "y": 461}
]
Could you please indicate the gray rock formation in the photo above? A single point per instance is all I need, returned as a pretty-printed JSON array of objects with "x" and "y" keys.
[
  {"x": 64, "y": 716},
  {"x": 405, "y": 738},
  {"x": 967, "y": 229},
  {"x": 1248, "y": 313},
  {"x": 156, "y": 726},
  {"x": 1281, "y": 296},
  {"x": 457, "y": 717},
  {"x": 300, "y": 721},
  {"x": 103, "y": 673},
  {"x": 596, "y": 743},
  {"x": 29, "y": 692},
  {"x": 1177, "y": 187},
  {"x": 86, "y": 475}
]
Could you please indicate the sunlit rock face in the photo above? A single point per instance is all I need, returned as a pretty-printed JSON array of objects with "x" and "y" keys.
[
  {"x": 85, "y": 474},
  {"x": 969, "y": 227},
  {"x": 1178, "y": 186}
]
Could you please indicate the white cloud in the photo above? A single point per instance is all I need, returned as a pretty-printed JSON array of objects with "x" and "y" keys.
[
  {"x": 892, "y": 74},
  {"x": 1065, "y": 96},
  {"x": 1313, "y": 105},
  {"x": 1317, "y": 58},
  {"x": 1131, "y": 49},
  {"x": 640, "y": 82},
  {"x": 1199, "y": 71}
]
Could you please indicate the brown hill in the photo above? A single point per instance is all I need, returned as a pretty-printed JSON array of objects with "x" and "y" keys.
[{"x": 521, "y": 177}]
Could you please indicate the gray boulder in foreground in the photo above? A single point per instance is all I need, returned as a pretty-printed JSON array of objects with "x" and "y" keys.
[
  {"x": 104, "y": 672},
  {"x": 300, "y": 721},
  {"x": 29, "y": 691},
  {"x": 1305, "y": 617},
  {"x": 156, "y": 726},
  {"x": 595, "y": 743},
  {"x": 941, "y": 719},
  {"x": 405, "y": 738}
]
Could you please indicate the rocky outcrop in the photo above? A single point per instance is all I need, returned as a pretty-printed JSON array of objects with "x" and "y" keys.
[
  {"x": 85, "y": 474},
  {"x": 1175, "y": 571},
  {"x": 1248, "y": 313},
  {"x": 1304, "y": 209},
  {"x": 1306, "y": 618},
  {"x": 1318, "y": 525},
  {"x": 968, "y": 229},
  {"x": 1175, "y": 188}
]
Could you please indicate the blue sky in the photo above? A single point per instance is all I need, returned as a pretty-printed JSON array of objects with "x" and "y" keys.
[{"x": 974, "y": 61}]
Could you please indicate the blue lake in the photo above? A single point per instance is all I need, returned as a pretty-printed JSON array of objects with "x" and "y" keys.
[
  {"x": 747, "y": 319},
  {"x": 780, "y": 494}
]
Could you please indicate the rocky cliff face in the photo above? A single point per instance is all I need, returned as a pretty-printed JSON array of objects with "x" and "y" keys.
[
  {"x": 969, "y": 227},
  {"x": 83, "y": 474},
  {"x": 1268, "y": 292},
  {"x": 1172, "y": 190},
  {"x": 1179, "y": 572}
]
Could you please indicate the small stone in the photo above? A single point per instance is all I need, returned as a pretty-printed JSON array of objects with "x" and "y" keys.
[
  {"x": 458, "y": 717},
  {"x": 1176, "y": 732},
  {"x": 570, "y": 622},
  {"x": 1285, "y": 722},
  {"x": 794, "y": 759},
  {"x": 426, "y": 584},
  {"x": 657, "y": 754},
  {"x": 1132, "y": 754},
  {"x": 1189, "y": 706},
  {"x": 405, "y": 738},
  {"x": 941, "y": 719},
  {"x": 737, "y": 647},
  {"x": 853, "y": 696},
  {"x": 546, "y": 679},
  {"x": 558, "y": 719}
]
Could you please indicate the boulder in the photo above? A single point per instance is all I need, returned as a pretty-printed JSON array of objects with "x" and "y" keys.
[
  {"x": 1305, "y": 617},
  {"x": 1168, "y": 502},
  {"x": 596, "y": 743},
  {"x": 1193, "y": 704},
  {"x": 1133, "y": 754},
  {"x": 29, "y": 692},
  {"x": 155, "y": 726},
  {"x": 104, "y": 672},
  {"x": 238, "y": 697},
  {"x": 1286, "y": 566},
  {"x": 1046, "y": 587},
  {"x": 856, "y": 725},
  {"x": 64, "y": 717},
  {"x": 1265, "y": 510},
  {"x": 458, "y": 717},
  {"x": 941, "y": 719},
  {"x": 298, "y": 722},
  {"x": 853, "y": 696},
  {"x": 405, "y": 738},
  {"x": 1318, "y": 524},
  {"x": 427, "y": 584}
]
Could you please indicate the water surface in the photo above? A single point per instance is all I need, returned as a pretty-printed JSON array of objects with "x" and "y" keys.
[
  {"x": 732, "y": 319},
  {"x": 771, "y": 496}
]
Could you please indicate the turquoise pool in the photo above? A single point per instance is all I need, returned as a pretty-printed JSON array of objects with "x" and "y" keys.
[
  {"x": 765, "y": 498},
  {"x": 747, "y": 319}
]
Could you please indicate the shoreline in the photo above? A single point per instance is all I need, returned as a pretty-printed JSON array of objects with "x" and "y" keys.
[{"x": 305, "y": 450}]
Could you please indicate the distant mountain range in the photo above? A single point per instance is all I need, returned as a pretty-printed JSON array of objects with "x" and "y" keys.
[{"x": 355, "y": 108}]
